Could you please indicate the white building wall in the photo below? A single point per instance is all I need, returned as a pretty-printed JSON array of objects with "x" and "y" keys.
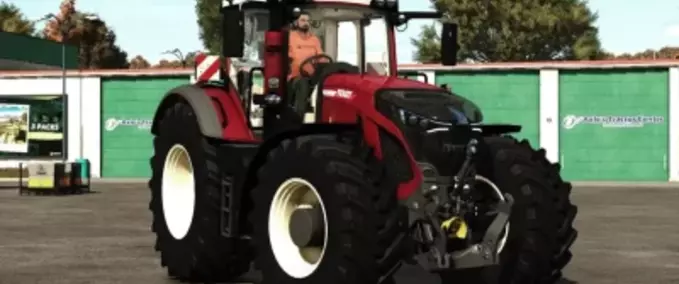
[
  {"x": 91, "y": 99},
  {"x": 674, "y": 124},
  {"x": 431, "y": 75},
  {"x": 549, "y": 113},
  {"x": 81, "y": 91}
]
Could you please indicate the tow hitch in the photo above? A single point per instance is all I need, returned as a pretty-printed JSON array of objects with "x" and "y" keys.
[
  {"x": 440, "y": 219},
  {"x": 484, "y": 253}
]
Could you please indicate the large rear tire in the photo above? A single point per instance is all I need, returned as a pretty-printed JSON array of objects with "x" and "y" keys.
[
  {"x": 185, "y": 203},
  {"x": 541, "y": 223},
  {"x": 361, "y": 217}
]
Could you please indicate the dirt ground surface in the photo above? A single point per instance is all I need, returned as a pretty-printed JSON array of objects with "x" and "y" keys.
[{"x": 627, "y": 235}]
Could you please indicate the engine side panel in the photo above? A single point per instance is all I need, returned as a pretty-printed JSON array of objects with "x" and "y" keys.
[{"x": 348, "y": 97}]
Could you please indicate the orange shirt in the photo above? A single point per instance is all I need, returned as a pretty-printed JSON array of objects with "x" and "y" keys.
[{"x": 300, "y": 47}]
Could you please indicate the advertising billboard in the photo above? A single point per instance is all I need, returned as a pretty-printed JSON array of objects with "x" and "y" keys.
[{"x": 32, "y": 127}]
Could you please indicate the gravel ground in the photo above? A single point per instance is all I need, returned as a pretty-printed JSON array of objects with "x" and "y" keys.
[{"x": 627, "y": 235}]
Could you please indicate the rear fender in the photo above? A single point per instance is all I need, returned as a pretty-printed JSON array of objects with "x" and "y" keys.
[
  {"x": 208, "y": 121},
  {"x": 218, "y": 113}
]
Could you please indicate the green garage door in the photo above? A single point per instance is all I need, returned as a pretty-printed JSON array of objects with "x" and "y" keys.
[
  {"x": 614, "y": 124},
  {"x": 128, "y": 106},
  {"x": 504, "y": 97}
]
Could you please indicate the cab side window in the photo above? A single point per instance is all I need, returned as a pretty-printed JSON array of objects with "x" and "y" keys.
[
  {"x": 255, "y": 25},
  {"x": 347, "y": 47}
]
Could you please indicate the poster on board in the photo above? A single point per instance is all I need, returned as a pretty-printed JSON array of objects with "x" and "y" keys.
[{"x": 14, "y": 127}]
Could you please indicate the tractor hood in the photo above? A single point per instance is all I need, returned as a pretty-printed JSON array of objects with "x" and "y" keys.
[
  {"x": 372, "y": 83},
  {"x": 420, "y": 98}
]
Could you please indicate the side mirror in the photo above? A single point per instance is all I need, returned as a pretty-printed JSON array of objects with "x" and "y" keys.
[
  {"x": 233, "y": 32},
  {"x": 449, "y": 45}
]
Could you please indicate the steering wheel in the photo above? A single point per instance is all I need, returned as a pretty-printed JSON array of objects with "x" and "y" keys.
[{"x": 312, "y": 60}]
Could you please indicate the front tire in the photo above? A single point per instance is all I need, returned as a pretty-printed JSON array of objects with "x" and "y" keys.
[
  {"x": 185, "y": 195},
  {"x": 361, "y": 217}
]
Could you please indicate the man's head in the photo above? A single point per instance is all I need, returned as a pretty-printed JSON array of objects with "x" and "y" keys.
[
  {"x": 303, "y": 22},
  {"x": 67, "y": 7}
]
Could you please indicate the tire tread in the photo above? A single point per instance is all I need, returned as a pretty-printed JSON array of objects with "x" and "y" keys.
[{"x": 204, "y": 255}]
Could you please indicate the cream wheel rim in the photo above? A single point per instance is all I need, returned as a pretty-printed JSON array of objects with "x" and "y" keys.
[
  {"x": 291, "y": 195},
  {"x": 178, "y": 191}
]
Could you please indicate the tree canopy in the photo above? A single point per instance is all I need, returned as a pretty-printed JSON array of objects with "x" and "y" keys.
[
  {"x": 182, "y": 61},
  {"x": 666, "y": 52},
  {"x": 139, "y": 62},
  {"x": 209, "y": 24},
  {"x": 510, "y": 30},
  {"x": 95, "y": 39},
  {"x": 12, "y": 20}
]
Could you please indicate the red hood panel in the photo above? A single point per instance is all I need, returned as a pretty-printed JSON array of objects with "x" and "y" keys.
[{"x": 372, "y": 83}]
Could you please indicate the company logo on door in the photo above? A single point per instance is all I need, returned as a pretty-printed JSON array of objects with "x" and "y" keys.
[
  {"x": 571, "y": 121},
  {"x": 113, "y": 123}
]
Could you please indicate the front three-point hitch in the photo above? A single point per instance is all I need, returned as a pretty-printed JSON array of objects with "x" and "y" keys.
[{"x": 443, "y": 211}]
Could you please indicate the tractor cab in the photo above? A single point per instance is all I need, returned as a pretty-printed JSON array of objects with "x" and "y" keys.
[
  {"x": 333, "y": 54},
  {"x": 272, "y": 66}
]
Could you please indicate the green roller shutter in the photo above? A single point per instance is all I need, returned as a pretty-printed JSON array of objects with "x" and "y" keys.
[
  {"x": 614, "y": 124},
  {"x": 503, "y": 96},
  {"x": 128, "y": 106}
]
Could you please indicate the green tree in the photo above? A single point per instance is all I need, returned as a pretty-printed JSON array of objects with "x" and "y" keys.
[
  {"x": 13, "y": 21},
  {"x": 209, "y": 23},
  {"x": 427, "y": 47},
  {"x": 510, "y": 30},
  {"x": 667, "y": 52},
  {"x": 183, "y": 60},
  {"x": 190, "y": 58},
  {"x": 95, "y": 39},
  {"x": 139, "y": 62}
]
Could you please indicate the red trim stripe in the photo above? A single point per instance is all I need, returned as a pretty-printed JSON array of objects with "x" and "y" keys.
[
  {"x": 210, "y": 71},
  {"x": 200, "y": 57}
]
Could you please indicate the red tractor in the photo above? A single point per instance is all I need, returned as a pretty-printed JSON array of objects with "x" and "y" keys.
[{"x": 354, "y": 170}]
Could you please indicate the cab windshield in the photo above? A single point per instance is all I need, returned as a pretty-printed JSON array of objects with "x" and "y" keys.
[{"x": 339, "y": 30}]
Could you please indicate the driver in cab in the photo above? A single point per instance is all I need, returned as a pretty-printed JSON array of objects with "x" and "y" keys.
[{"x": 302, "y": 44}]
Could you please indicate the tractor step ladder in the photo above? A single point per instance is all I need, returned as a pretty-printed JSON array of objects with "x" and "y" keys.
[{"x": 227, "y": 207}]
